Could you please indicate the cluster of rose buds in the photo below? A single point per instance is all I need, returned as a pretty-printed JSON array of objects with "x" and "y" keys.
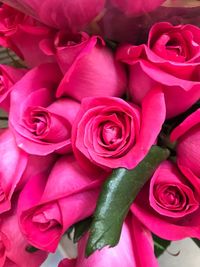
[{"x": 99, "y": 83}]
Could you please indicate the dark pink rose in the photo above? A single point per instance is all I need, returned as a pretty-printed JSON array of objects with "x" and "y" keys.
[
  {"x": 127, "y": 253},
  {"x": 187, "y": 136},
  {"x": 41, "y": 123},
  {"x": 23, "y": 34},
  {"x": 50, "y": 204},
  {"x": 137, "y": 7},
  {"x": 110, "y": 133},
  {"x": 89, "y": 67},
  {"x": 170, "y": 59},
  {"x": 13, "y": 245},
  {"x": 13, "y": 163},
  {"x": 8, "y": 77},
  {"x": 170, "y": 205},
  {"x": 68, "y": 15}
]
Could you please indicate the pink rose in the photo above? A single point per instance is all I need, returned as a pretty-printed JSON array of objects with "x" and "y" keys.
[
  {"x": 171, "y": 59},
  {"x": 23, "y": 34},
  {"x": 187, "y": 136},
  {"x": 127, "y": 253},
  {"x": 13, "y": 245},
  {"x": 68, "y": 15},
  {"x": 56, "y": 204},
  {"x": 110, "y": 133},
  {"x": 41, "y": 123},
  {"x": 170, "y": 205},
  {"x": 137, "y": 7},
  {"x": 8, "y": 77},
  {"x": 89, "y": 67},
  {"x": 13, "y": 163}
]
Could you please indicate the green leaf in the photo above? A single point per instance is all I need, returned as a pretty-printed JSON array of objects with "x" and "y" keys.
[
  {"x": 160, "y": 245},
  {"x": 81, "y": 228},
  {"x": 69, "y": 232},
  {"x": 118, "y": 193},
  {"x": 197, "y": 241}
]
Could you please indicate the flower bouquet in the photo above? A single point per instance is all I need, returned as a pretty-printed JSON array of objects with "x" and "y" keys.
[{"x": 103, "y": 135}]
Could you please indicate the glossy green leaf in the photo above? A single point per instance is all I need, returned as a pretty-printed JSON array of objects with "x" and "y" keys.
[
  {"x": 197, "y": 241},
  {"x": 81, "y": 228},
  {"x": 118, "y": 193},
  {"x": 160, "y": 245}
]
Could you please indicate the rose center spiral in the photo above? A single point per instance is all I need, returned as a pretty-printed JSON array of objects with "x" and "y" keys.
[
  {"x": 170, "y": 197},
  {"x": 37, "y": 121},
  {"x": 111, "y": 133}
]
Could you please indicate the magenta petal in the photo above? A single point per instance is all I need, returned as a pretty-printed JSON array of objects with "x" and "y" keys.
[
  {"x": 12, "y": 164},
  {"x": 16, "y": 244},
  {"x": 8, "y": 77},
  {"x": 152, "y": 119},
  {"x": 14, "y": 26},
  {"x": 93, "y": 71},
  {"x": 165, "y": 225},
  {"x": 59, "y": 200},
  {"x": 143, "y": 245},
  {"x": 170, "y": 193},
  {"x": 187, "y": 136},
  {"x": 186, "y": 125},
  {"x": 67, "y": 263},
  {"x": 71, "y": 16},
  {"x": 37, "y": 98},
  {"x": 132, "y": 128}
]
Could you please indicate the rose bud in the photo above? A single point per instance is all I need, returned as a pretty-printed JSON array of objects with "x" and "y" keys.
[
  {"x": 41, "y": 123},
  {"x": 110, "y": 133},
  {"x": 169, "y": 205},
  {"x": 89, "y": 67},
  {"x": 8, "y": 77},
  {"x": 48, "y": 206},
  {"x": 69, "y": 15},
  {"x": 170, "y": 59},
  {"x": 187, "y": 136},
  {"x": 13, "y": 163},
  {"x": 14, "y": 248},
  {"x": 127, "y": 251},
  {"x": 137, "y": 7},
  {"x": 23, "y": 34}
]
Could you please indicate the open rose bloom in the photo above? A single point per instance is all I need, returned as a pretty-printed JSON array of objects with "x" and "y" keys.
[{"x": 99, "y": 130}]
